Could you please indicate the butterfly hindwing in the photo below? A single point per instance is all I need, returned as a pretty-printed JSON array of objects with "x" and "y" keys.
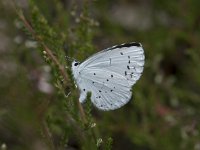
[{"x": 107, "y": 94}]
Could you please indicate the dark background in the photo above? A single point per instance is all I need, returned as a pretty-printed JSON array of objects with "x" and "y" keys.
[{"x": 164, "y": 111}]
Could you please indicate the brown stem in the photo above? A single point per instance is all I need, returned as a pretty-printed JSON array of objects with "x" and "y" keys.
[
  {"x": 53, "y": 58},
  {"x": 48, "y": 51}
]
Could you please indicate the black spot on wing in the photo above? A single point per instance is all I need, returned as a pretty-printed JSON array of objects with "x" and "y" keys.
[{"x": 125, "y": 73}]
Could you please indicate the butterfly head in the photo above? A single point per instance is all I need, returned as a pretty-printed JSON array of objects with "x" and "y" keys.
[{"x": 75, "y": 65}]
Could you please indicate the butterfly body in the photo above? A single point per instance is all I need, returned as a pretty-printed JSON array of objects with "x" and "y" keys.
[{"x": 109, "y": 75}]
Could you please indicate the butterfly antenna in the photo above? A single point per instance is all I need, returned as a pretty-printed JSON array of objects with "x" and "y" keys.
[{"x": 69, "y": 58}]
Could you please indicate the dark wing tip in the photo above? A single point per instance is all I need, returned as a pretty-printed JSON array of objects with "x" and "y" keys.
[
  {"x": 125, "y": 45},
  {"x": 131, "y": 44}
]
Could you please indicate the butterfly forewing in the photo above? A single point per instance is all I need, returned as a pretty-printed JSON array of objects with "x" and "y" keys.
[
  {"x": 110, "y": 74},
  {"x": 127, "y": 61}
]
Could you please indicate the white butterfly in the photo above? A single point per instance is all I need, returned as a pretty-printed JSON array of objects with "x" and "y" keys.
[{"x": 109, "y": 75}]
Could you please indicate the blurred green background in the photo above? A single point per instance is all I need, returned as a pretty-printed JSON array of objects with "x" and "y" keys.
[{"x": 164, "y": 113}]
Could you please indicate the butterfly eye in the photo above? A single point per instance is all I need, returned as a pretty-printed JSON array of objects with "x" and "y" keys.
[{"x": 75, "y": 64}]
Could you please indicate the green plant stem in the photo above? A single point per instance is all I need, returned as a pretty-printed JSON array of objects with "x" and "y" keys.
[
  {"x": 46, "y": 48},
  {"x": 82, "y": 112},
  {"x": 50, "y": 54},
  {"x": 48, "y": 135}
]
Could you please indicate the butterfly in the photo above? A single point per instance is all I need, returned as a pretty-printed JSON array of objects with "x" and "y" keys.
[{"x": 109, "y": 75}]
